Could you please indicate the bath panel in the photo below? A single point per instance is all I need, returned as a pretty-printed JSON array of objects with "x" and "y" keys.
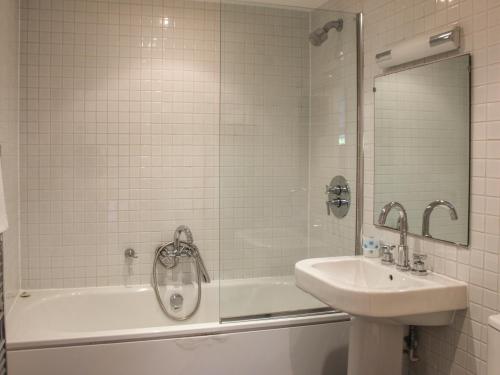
[{"x": 305, "y": 350}]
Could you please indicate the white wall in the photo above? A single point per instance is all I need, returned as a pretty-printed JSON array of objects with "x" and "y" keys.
[
  {"x": 461, "y": 348},
  {"x": 9, "y": 31}
]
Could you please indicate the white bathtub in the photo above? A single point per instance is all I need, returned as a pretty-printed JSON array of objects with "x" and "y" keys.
[{"x": 122, "y": 330}]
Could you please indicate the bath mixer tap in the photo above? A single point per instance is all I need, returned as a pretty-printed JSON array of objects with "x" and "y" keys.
[
  {"x": 187, "y": 232},
  {"x": 168, "y": 255},
  {"x": 428, "y": 211},
  {"x": 402, "y": 258}
]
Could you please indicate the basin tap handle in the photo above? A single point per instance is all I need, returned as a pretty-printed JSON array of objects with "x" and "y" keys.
[
  {"x": 387, "y": 254},
  {"x": 419, "y": 268},
  {"x": 419, "y": 257}
]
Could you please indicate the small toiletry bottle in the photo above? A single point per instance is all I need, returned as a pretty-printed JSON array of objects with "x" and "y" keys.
[{"x": 371, "y": 247}]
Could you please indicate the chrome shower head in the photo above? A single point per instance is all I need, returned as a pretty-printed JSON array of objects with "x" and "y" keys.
[{"x": 320, "y": 35}]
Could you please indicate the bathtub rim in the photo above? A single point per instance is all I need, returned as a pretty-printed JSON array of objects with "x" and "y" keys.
[{"x": 214, "y": 327}]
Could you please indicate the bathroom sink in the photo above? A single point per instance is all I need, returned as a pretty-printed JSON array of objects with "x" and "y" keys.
[{"x": 364, "y": 287}]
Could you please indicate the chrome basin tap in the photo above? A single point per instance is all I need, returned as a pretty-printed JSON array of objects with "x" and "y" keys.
[
  {"x": 402, "y": 258},
  {"x": 428, "y": 212}
]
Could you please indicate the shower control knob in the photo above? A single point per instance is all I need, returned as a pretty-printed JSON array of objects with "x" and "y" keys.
[
  {"x": 336, "y": 203},
  {"x": 336, "y": 190},
  {"x": 340, "y": 202}
]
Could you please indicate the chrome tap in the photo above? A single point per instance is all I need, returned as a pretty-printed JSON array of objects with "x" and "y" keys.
[
  {"x": 130, "y": 254},
  {"x": 177, "y": 248},
  {"x": 402, "y": 259},
  {"x": 428, "y": 212},
  {"x": 168, "y": 255},
  {"x": 177, "y": 235}
]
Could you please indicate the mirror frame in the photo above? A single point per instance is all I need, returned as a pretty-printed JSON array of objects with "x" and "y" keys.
[{"x": 399, "y": 70}]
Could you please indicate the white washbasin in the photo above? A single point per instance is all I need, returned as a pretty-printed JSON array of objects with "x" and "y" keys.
[{"x": 366, "y": 288}]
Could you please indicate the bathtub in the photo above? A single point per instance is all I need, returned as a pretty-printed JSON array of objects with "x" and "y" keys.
[{"x": 122, "y": 330}]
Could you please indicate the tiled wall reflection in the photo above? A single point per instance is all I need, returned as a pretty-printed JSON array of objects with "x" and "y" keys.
[{"x": 422, "y": 138}]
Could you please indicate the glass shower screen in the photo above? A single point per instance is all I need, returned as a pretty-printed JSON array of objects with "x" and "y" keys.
[{"x": 288, "y": 123}]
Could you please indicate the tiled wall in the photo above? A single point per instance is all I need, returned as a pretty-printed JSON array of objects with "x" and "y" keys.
[
  {"x": 119, "y": 136},
  {"x": 9, "y": 31},
  {"x": 460, "y": 349},
  {"x": 264, "y": 140}
]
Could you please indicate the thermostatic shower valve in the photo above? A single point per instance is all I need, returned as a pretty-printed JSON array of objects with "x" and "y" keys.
[{"x": 339, "y": 197}]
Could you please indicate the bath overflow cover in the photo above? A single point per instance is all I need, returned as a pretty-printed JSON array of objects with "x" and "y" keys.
[{"x": 176, "y": 301}]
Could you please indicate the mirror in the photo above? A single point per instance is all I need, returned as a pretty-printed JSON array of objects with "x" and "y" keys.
[{"x": 422, "y": 147}]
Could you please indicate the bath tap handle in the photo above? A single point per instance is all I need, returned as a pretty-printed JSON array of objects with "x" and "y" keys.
[{"x": 130, "y": 254}]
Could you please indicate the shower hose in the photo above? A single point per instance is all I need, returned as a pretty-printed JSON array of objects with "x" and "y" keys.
[{"x": 169, "y": 260}]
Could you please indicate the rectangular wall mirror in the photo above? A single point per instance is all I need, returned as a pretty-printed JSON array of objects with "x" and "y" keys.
[{"x": 422, "y": 148}]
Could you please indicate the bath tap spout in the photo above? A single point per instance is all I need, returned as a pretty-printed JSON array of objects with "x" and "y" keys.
[{"x": 177, "y": 235}]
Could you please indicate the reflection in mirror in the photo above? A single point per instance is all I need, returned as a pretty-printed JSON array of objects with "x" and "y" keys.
[{"x": 422, "y": 146}]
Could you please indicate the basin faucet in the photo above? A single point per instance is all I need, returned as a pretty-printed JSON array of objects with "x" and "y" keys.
[
  {"x": 428, "y": 212},
  {"x": 402, "y": 258}
]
